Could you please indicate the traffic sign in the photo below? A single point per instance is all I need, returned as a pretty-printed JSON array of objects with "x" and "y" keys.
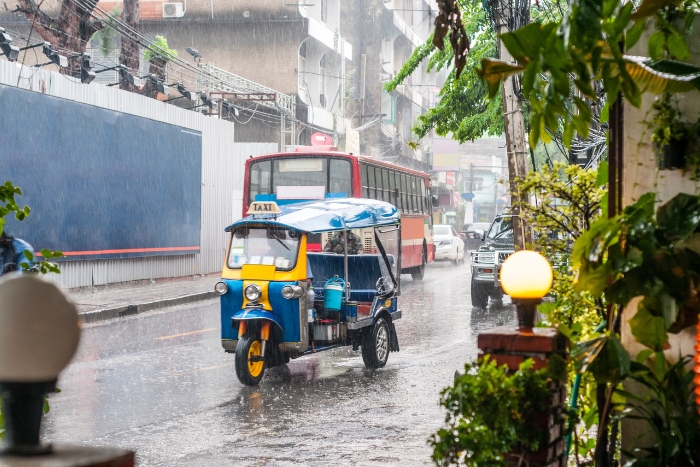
[{"x": 468, "y": 196}]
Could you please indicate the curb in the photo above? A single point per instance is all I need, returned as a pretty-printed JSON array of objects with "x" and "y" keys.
[{"x": 135, "y": 309}]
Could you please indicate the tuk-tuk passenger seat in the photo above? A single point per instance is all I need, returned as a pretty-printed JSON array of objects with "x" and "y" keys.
[{"x": 363, "y": 272}]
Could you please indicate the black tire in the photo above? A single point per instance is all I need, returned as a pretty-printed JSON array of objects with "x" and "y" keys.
[
  {"x": 456, "y": 262},
  {"x": 480, "y": 295},
  {"x": 418, "y": 273},
  {"x": 375, "y": 345},
  {"x": 248, "y": 373},
  {"x": 497, "y": 294}
]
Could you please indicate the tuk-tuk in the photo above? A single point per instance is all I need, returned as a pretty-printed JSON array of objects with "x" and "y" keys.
[{"x": 280, "y": 301}]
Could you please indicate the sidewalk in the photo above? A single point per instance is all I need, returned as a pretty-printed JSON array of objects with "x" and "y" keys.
[{"x": 130, "y": 298}]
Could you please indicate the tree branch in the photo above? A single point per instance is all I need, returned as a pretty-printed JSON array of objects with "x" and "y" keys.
[{"x": 41, "y": 20}]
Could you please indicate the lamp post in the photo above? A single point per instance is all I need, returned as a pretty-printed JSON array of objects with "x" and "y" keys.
[
  {"x": 39, "y": 334},
  {"x": 527, "y": 277}
]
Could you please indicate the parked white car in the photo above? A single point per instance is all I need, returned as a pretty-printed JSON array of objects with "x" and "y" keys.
[{"x": 448, "y": 245}]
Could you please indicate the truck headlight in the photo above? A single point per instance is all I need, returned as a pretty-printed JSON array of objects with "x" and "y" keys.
[
  {"x": 292, "y": 291},
  {"x": 253, "y": 292},
  {"x": 221, "y": 288}
]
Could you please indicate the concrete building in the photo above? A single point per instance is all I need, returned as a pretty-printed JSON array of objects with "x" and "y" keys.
[{"x": 330, "y": 57}]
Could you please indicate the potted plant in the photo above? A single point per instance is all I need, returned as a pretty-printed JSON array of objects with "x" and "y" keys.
[{"x": 670, "y": 136}]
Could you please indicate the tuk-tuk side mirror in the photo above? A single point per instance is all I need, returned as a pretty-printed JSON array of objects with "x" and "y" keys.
[{"x": 384, "y": 287}]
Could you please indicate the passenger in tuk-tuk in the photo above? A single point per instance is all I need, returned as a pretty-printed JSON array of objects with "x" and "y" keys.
[{"x": 335, "y": 244}]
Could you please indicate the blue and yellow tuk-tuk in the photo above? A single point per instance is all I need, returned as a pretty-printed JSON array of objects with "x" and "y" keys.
[{"x": 280, "y": 301}]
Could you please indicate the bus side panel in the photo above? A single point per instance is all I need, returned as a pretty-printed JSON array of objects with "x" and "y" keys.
[{"x": 412, "y": 234}]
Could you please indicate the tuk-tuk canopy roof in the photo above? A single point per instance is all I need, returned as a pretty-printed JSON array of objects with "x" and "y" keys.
[{"x": 329, "y": 215}]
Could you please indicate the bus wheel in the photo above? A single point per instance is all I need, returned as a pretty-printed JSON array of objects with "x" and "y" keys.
[
  {"x": 419, "y": 271},
  {"x": 249, "y": 368},
  {"x": 375, "y": 345}
]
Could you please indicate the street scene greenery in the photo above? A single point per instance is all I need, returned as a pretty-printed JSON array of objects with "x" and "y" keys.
[
  {"x": 572, "y": 69},
  {"x": 491, "y": 412}
]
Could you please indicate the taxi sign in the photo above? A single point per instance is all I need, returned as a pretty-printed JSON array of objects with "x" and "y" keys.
[{"x": 263, "y": 208}]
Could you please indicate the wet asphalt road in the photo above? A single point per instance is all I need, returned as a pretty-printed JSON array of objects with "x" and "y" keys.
[{"x": 161, "y": 385}]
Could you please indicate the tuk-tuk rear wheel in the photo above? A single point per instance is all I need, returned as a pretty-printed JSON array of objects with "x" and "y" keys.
[
  {"x": 375, "y": 345},
  {"x": 249, "y": 370}
]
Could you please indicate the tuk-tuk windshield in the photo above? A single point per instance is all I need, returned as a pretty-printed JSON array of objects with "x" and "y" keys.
[{"x": 272, "y": 245}]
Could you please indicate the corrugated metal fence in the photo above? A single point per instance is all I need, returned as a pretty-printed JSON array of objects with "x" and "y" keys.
[{"x": 222, "y": 176}]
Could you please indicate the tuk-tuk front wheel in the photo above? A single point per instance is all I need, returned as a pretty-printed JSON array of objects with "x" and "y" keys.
[
  {"x": 250, "y": 368},
  {"x": 375, "y": 345}
]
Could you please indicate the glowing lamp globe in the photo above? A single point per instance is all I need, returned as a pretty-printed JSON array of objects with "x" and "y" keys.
[
  {"x": 526, "y": 275},
  {"x": 39, "y": 334}
]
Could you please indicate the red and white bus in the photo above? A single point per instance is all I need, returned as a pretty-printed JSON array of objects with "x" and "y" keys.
[{"x": 312, "y": 173}]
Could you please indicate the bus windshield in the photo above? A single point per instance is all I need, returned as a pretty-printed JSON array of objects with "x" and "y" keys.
[
  {"x": 269, "y": 245},
  {"x": 281, "y": 175}
]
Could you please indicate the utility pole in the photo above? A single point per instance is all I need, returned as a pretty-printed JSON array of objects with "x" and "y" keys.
[
  {"x": 363, "y": 75},
  {"x": 514, "y": 124}
]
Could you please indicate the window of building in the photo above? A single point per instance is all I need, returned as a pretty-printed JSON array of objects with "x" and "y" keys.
[{"x": 324, "y": 10}]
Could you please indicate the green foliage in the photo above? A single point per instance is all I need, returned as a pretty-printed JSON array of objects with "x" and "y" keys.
[
  {"x": 569, "y": 199},
  {"x": 463, "y": 108},
  {"x": 559, "y": 61},
  {"x": 667, "y": 407},
  {"x": 491, "y": 412},
  {"x": 8, "y": 204},
  {"x": 666, "y": 122},
  {"x": 159, "y": 50},
  {"x": 108, "y": 37},
  {"x": 643, "y": 253}
]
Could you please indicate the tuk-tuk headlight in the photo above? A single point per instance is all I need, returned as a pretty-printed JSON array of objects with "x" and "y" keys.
[
  {"x": 292, "y": 291},
  {"x": 253, "y": 292},
  {"x": 221, "y": 288}
]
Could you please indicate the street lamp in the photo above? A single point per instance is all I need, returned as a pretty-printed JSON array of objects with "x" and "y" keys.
[
  {"x": 51, "y": 53},
  {"x": 39, "y": 334},
  {"x": 86, "y": 73},
  {"x": 527, "y": 277},
  {"x": 10, "y": 51}
]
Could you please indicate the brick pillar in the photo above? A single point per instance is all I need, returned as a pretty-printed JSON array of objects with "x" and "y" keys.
[{"x": 507, "y": 346}]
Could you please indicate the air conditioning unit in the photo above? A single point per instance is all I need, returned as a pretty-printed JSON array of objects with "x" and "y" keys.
[{"x": 173, "y": 10}]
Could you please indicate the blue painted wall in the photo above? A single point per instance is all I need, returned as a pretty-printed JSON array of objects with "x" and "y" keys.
[{"x": 100, "y": 184}]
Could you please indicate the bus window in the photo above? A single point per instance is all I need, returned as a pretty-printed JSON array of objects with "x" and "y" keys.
[
  {"x": 365, "y": 181},
  {"x": 380, "y": 186},
  {"x": 404, "y": 198},
  {"x": 303, "y": 171},
  {"x": 426, "y": 201},
  {"x": 419, "y": 195},
  {"x": 395, "y": 183},
  {"x": 387, "y": 185},
  {"x": 371, "y": 183},
  {"x": 259, "y": 179},
  {"x": 339, "y": 177},
  {"x": 414, "y": 199}
]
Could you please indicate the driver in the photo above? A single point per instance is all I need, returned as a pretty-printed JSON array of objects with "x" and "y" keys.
[{"x": 335, "y": 244}]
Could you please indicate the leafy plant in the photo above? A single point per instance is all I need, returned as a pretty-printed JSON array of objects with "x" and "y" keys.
[
  {"x": 655, "y": 255},
  {"x": 666, "y": 122},
  {"x": 491, "y": 412},
  {"x": 667, "y": 407},
  {"x": 692, "y": 152},
  {"x": 159, "y": 50},
  {"x": 463, "y": 108},
  {"x": 108, "y": 37},
  {"x": 559, "y": 60}
]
